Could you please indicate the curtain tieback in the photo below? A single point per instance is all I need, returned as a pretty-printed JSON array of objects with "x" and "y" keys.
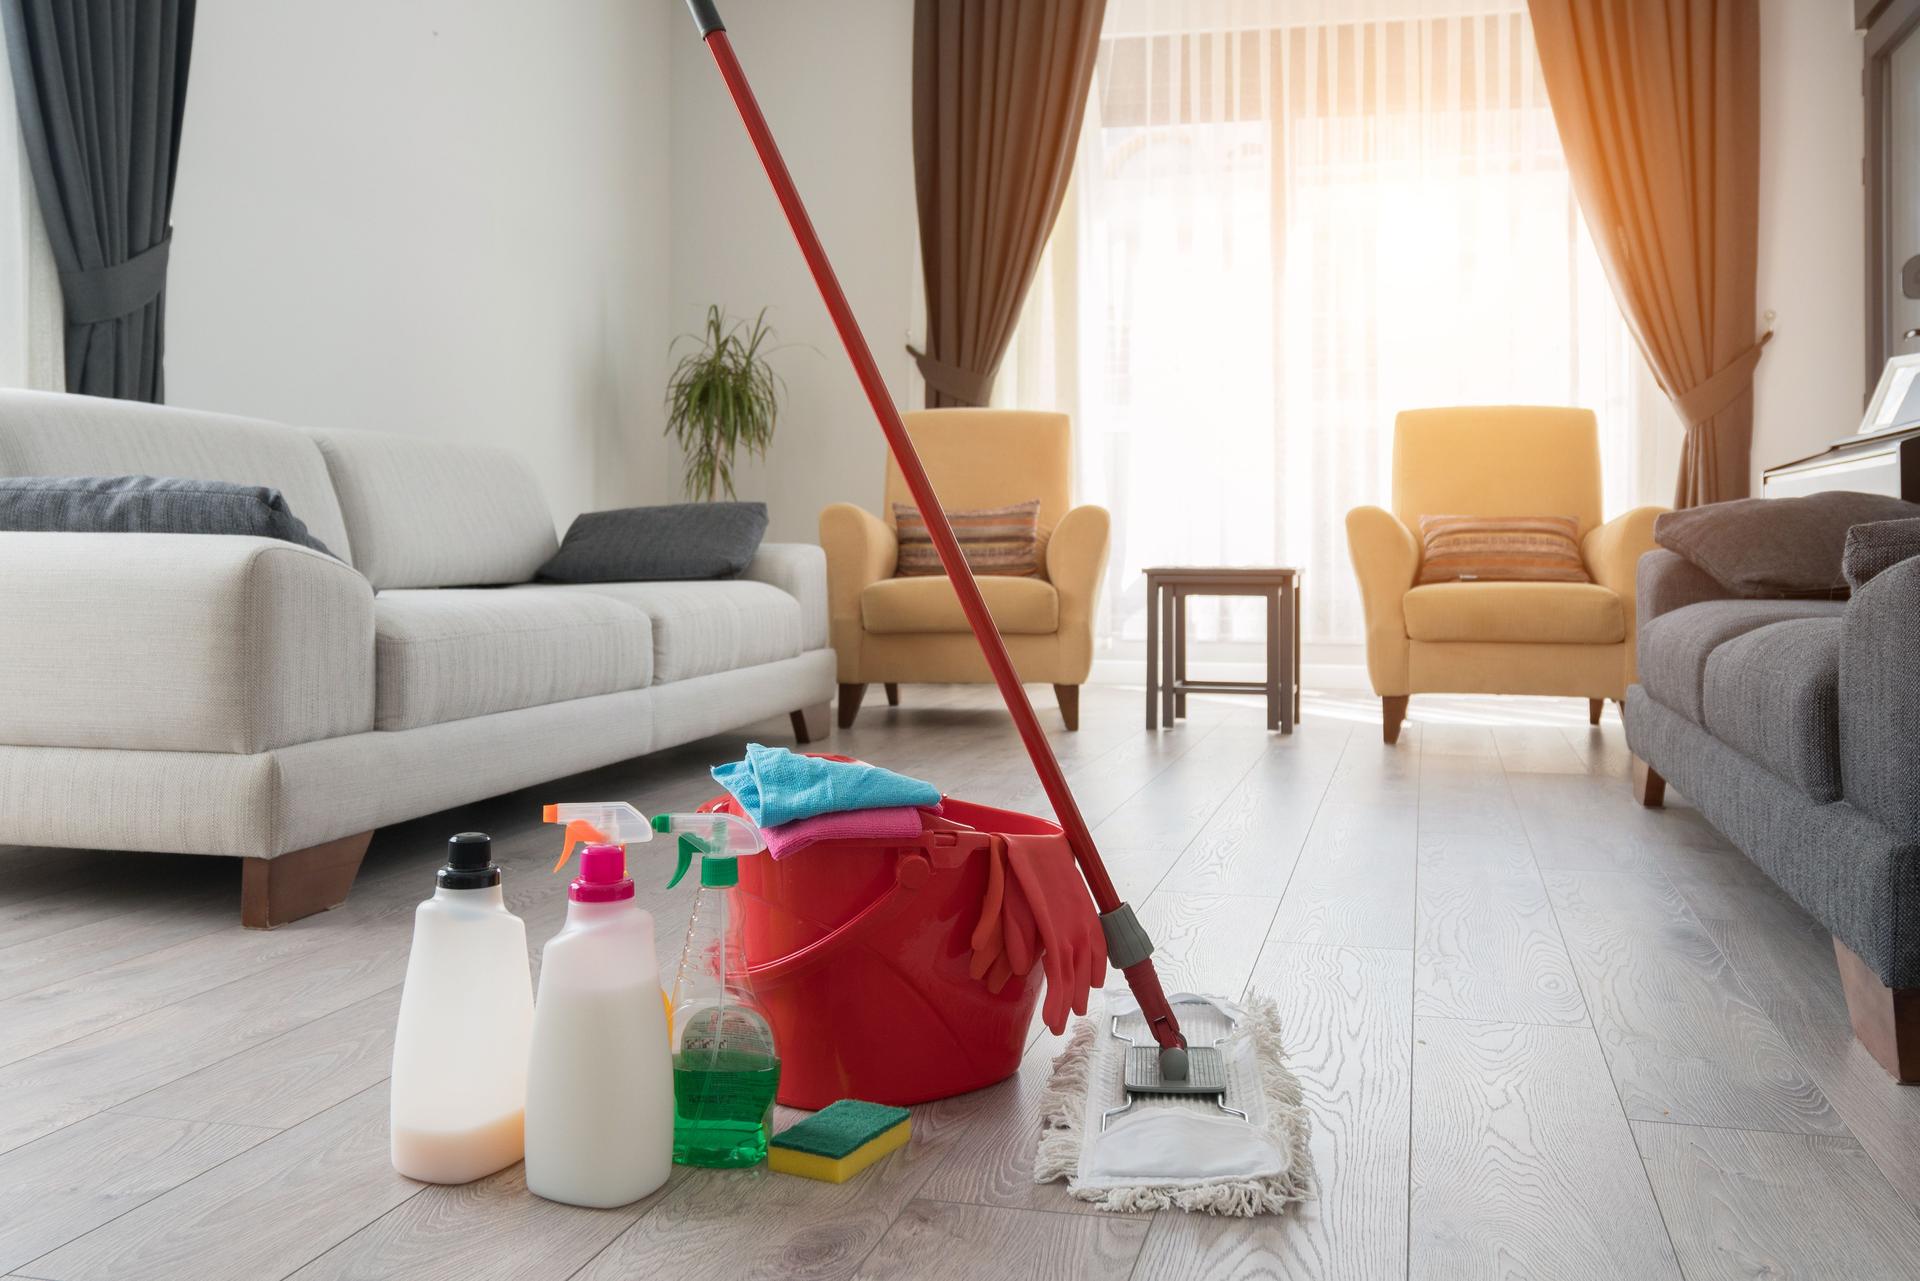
[
  {"x": 1717, "y": 392},
  {"x": 108, "y": 293},
  {"x": 961, "y": 384}
]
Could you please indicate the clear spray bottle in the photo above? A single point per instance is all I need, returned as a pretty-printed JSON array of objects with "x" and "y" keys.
[{"x": 726, "y": 1068}]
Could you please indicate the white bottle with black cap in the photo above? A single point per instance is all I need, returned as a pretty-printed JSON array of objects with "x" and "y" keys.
[{"x": 459, "y": 1091}]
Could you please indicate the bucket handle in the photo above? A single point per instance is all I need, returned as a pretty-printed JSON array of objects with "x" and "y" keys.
[{"x": 910, "y": 872}]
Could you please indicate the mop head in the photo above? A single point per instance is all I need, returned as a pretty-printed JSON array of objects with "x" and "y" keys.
[{"x": 1172, "y": 1151}]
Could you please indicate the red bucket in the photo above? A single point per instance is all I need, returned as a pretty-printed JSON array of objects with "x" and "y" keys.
[{"x": 858, "y": 951}]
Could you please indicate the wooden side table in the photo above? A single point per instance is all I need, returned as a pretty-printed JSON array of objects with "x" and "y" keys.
[{"x": 1168, "y": 587}]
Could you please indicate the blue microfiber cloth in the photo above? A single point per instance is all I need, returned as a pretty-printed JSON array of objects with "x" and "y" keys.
[{"x": 776, "y": 786}]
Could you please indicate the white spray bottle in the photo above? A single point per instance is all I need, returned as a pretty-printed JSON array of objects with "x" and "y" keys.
[{"x": 599, "y": 1079}]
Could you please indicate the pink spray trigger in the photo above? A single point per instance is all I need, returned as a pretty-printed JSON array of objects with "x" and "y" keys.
[{"x": 603, "y": 875}]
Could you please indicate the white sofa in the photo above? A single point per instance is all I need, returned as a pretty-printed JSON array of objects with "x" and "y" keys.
[{"x": 248, "y": 697}]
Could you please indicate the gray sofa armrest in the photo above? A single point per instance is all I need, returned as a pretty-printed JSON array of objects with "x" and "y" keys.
[
  {"x": 1878, "y": 546},
  {"x": 1880, "y": 699},
  {"x": 1666, "y": 581},
  {"x": 180, "y": 643},
  {"x": 799, "y": 570}
]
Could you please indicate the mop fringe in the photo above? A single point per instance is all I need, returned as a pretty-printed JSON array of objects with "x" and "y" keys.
[{"x": 1063, "y": 1106}]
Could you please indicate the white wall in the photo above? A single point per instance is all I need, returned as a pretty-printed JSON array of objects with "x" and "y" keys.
[
  {"x": 1807, "y": 388},
  {"x": 467, "y": 219},
  {"x": 442, "y": 217},
  {"x": 835, "y": 79}
]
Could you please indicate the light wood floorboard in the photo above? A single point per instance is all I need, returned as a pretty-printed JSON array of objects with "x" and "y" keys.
[
  {"x": 975, "y": 1241},
  {"x": 1496, "y": 974},
  {"x": 1741, "y": 1203},
  {"x": 96, "y": 1170},
  {"x": 1685, "y": 1040},
  {"x": 1522, "y": 1163}
]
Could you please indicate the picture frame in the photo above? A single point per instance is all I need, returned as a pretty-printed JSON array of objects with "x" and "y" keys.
[{"x": 1896, "y": 400}]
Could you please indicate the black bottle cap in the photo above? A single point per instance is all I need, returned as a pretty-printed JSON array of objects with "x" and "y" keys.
[{"x": 469, "y": 863}]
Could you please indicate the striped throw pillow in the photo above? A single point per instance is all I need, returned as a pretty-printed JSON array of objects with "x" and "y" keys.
[
  {"x": 995, "y": 540},
  {"x": 1513, "y": 549}
]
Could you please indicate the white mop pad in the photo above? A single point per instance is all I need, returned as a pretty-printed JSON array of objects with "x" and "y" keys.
[{"x": 1171, "y": 1151}]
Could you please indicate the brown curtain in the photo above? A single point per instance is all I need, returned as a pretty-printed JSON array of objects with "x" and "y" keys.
[
  {"x": 999, "y": 87},
  {"x": 1658, "y": 107}
]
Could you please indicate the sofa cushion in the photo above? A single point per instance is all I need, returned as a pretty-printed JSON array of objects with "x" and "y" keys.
[
  {"x": 49, "y": 434},
  {"x": 703, "y": 628},
  {"x": 149, "y": 505},
  {"x": 1774, "y": 694},
  {"x": 176, "y": 643},
  {"x": 428, "y": 513},
  {"x": 1527, "y": 613},
  {"x": 1501, "y": 549},
  {"x": 1766, "y": 547},
  {"x": 994, "y": 540},
  {"x": 445, "y": 654},
  {"x": 1674, "y": 647},
  {"x": 1020, "y": 606},
  {"x": 680, "y": 541}
]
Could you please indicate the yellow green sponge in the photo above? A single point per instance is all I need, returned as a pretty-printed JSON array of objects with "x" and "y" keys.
[{"x": 839, "y": 1140}]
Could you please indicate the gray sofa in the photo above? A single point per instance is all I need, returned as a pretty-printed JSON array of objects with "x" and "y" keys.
[
  {"x": 1794, "y": 726},
  {"x": 212, "y": 694}
]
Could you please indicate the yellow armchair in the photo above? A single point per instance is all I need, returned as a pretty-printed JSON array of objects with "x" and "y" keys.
[
  {"x": 1496, "y": 637},
  {"x": 894, "y": 630}
]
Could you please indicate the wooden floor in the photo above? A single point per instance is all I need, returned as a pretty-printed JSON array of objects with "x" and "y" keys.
[{"x": 1544, "y": 1033}]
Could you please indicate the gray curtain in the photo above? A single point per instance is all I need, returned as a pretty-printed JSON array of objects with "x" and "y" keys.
[{"x": 101, "y": 87}]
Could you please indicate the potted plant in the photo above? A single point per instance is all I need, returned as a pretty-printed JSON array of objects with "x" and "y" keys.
[{"x": 721, "y": 397}]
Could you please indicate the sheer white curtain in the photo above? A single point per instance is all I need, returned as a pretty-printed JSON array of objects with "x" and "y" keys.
[
  {"x": 1290, "y": 220},
  {"x": 31, "y": 343}
]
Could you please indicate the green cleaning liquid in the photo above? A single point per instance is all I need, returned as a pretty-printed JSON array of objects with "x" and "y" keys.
[{"x": 722, "y": 1107}]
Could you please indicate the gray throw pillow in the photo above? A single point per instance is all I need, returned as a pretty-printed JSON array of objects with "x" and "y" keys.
[
  {"x": 1878, "y": 545},
  {"x": 147, "y": 505},
  {"x": 1770, "y": 547},
  {"x": 639, "y": 544}
]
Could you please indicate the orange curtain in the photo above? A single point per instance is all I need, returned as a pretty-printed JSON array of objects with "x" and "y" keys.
[
  {"x": 999, "y": 89},
  {"x": 1658, "y": 107}
]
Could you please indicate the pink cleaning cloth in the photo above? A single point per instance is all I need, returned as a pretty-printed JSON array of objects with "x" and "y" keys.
[{"x": 896, "y": 821}]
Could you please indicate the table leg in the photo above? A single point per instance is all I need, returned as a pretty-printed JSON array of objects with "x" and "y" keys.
[
  {"x": 1289, "y": 659},
  {"x": 1179, "y": 649},
  {"x": 1166, "y": 655},
  {"x": 1273, "y": 658},
  {"x": 1293, "y": 590},
  {"x": 1153, "y": 653}
]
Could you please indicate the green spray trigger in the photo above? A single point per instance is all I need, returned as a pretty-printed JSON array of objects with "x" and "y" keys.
[{"x": 718, "y": 838}]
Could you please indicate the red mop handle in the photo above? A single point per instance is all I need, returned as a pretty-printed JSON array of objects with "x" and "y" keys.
[{"x": 1140, "y": 976}]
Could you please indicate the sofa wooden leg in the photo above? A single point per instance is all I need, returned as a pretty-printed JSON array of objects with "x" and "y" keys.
[
  {"x": 1069, "y": 696},
  {"x": 1886, "y": 1020},
  {"x": 811, "y": 724},
  {"x": 850, "y": 696},
  {"x": 1648, "y": 787},
  {"x": 1393, "y": 714},
  {"x": 893, "y": 694},
  {"x": 274, "y": 891},
  {"x": 1595, "y": 706}
]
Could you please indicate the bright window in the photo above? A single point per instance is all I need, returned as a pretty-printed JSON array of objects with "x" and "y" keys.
[{"x": 1289, "y": 222}]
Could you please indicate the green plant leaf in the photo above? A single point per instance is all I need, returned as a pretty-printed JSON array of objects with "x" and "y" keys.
[{"x": 722, "y": 396}]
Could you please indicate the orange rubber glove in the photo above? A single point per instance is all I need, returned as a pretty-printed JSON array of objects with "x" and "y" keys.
[
  {"x": 1073, "y": 948},
  {"x": 989, "y": 936},
  {"x": 1005, "y": 942}
]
